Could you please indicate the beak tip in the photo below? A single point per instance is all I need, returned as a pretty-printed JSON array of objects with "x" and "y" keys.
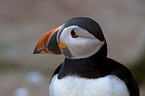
[{"x": 34, "y": 52}]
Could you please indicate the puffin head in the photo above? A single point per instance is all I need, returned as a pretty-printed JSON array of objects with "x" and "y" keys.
[{"x": 79, "y": 37}]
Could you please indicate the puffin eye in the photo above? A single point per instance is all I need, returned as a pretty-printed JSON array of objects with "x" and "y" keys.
[{"x": 74, "y": 34}]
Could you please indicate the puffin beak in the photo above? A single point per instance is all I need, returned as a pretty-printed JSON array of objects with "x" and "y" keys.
[{"x": 48, "y": 44}]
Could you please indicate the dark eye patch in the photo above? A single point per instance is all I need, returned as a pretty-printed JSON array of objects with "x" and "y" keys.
[{"x": 74, "y": 34}]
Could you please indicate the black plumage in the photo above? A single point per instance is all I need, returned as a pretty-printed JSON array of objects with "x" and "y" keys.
[
  {"x": 97, "y": 65},
  {"x": 93, "y": 66}
]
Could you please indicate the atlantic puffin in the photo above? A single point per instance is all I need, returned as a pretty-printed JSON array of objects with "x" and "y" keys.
[{"x": 86, "y": 70}]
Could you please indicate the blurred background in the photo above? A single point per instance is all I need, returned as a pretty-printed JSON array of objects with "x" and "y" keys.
[{"x": 24, "y": 22}]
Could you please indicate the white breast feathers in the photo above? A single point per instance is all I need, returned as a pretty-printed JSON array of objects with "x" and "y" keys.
[{"x": 76, "y": 86}]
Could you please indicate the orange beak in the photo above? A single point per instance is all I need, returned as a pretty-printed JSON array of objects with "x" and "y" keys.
[{"x": 48, "y": 44}]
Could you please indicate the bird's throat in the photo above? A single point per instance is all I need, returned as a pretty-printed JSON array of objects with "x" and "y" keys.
[{"x": 86, "y": 68}]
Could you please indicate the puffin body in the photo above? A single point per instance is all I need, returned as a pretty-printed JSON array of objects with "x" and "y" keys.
[
  {"x": 86, "y": 70},
  {"x": 75, "y": 86}
]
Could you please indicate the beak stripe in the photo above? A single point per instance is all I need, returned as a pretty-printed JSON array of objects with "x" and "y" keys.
[{"x": 42, "y": 44}]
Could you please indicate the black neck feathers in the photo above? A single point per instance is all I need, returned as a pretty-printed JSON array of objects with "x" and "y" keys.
[{"x": 92, "y": 67}]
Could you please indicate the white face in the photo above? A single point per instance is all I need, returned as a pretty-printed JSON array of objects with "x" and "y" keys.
[{"x": 80, "y": 43}]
